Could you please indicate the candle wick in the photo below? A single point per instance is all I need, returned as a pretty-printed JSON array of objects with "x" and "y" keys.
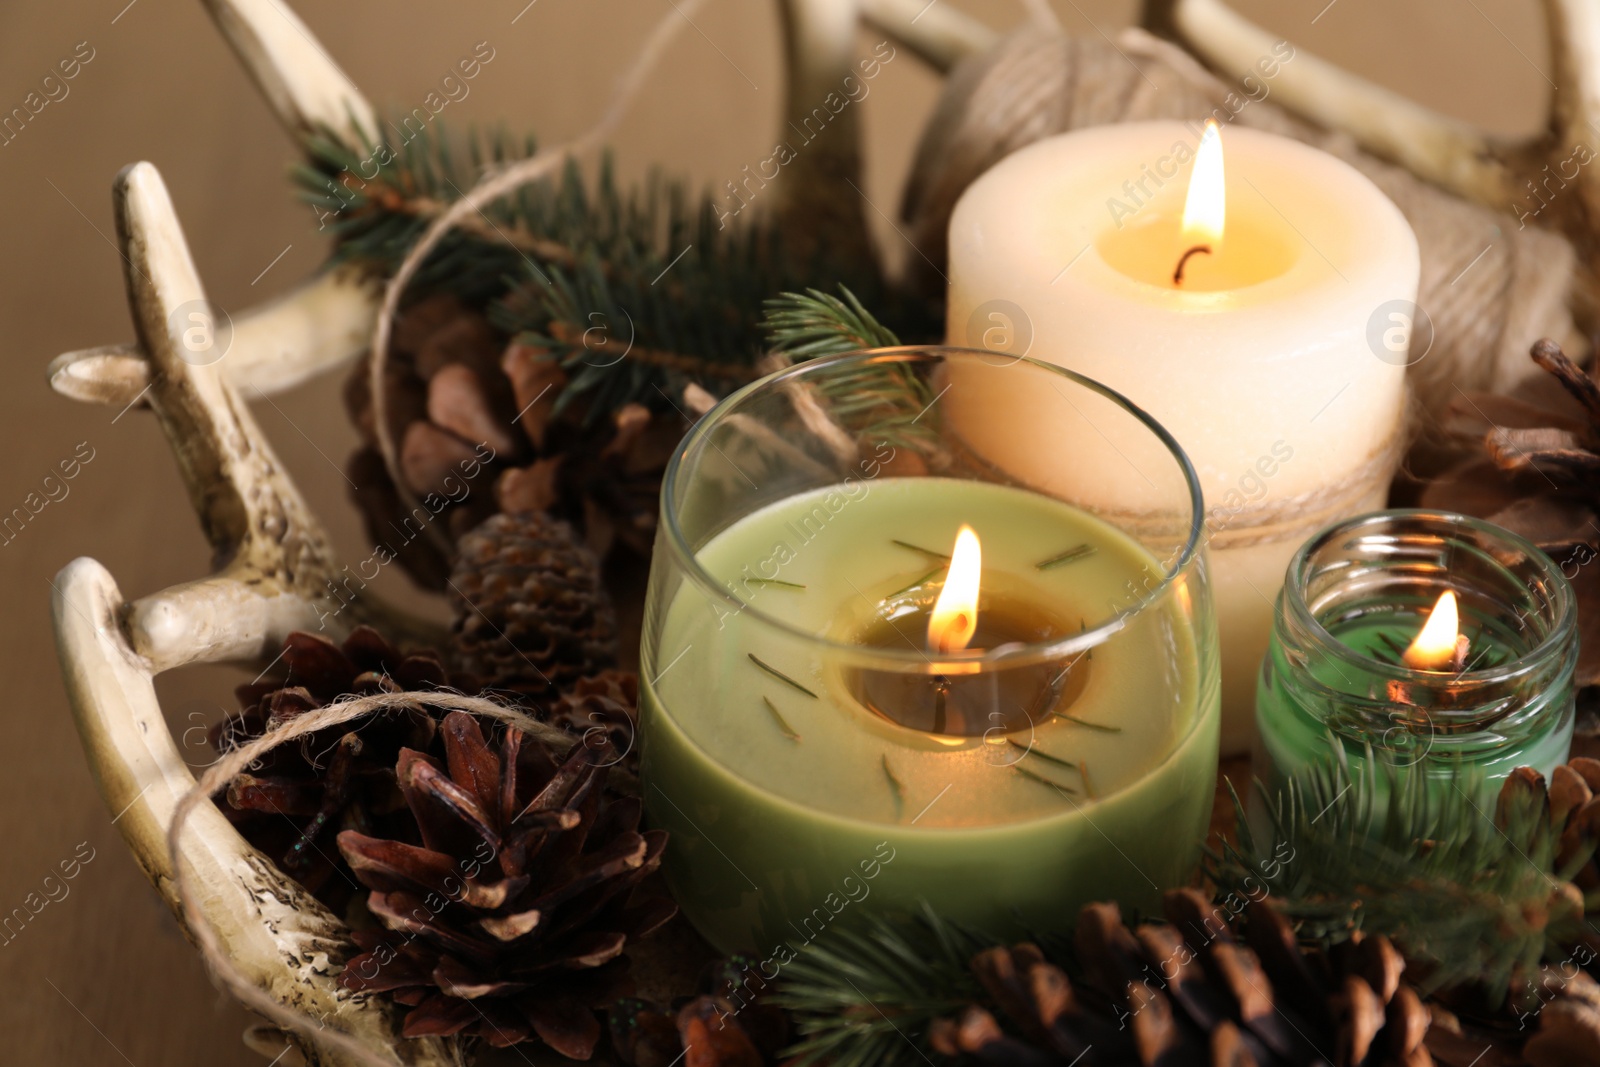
[
  {"x": 941, "y": 687},
  {"x": 1177, "y": 275}
]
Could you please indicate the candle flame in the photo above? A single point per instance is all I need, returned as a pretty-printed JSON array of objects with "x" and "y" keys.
[
  {"x": 955, "y": 613},
  {"x": 1205, "y": 208},
  {"x": 1435, "y": 647}
]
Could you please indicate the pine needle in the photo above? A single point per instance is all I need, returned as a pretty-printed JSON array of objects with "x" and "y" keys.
[
  {"x": 918, "y": 548},
  {"x": 895, "y": 787},
  {"x": 775, "y": 581},
  {"x": 1030, "y": 750},
  {"x": 1042, "y": 780},
  {"x": 776, "y": 673},
  {"x": 1085, "y": 722},
  {"x": 783, "y": 724},
  {"x": 1071, "y": 555}
]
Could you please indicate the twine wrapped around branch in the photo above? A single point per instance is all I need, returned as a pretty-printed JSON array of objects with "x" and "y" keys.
[{"x": 1489, "y": 287}]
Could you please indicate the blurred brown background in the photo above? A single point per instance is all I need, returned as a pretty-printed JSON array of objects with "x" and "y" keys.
[{"x": 103, "y": 976}]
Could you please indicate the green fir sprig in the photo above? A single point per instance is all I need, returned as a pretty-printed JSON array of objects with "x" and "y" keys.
[
  {"x": 636, "y": 293},
  {"x": 880, "y": 403},
  {"x": 865, "y": 998},
  {"x": 1469, "y": 891}
]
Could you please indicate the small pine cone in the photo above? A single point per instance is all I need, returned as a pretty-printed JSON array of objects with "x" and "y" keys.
[
  {"x": 293, "y": 799},
  {"x": 510, "y": 920},
  {"x": 607, "y": 702},
  {"x": 531, "y": 613}
]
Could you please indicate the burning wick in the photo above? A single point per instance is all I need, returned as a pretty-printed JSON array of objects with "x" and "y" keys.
[
  {"x": 955, "y": 614},
  {"x": 1440, "y": 645},
  {"x": 1205, "y": 208},
  {"x": 1177, "y": 275}
]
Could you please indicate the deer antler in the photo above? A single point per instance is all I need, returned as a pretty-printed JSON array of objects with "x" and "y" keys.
[
  {"x": 819, "y": 54},
  {"x": 1575, "y": 114},
  {"x": 1435, "y": 147},
  {"x": 938, "y": 33},
  {"x": 275, "y": 557},
  {"x": 303, "y": 85},
  {"x": 327, "y": 320}
]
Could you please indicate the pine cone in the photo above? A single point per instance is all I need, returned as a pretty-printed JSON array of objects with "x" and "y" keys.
[
  {"x": 1539, "y": 476},
  {"x": 531, "y": 613},
  {"x": 292, "y": 800},
  {"x": 510, "y": 920},
  {"x": 456, "y": 393},
  {"x": 1571, "y": 805},
  {"x": 1186, "y": 992},
  {"x": 728, "y": 1024},
  {"x": 608, "y": 702}
]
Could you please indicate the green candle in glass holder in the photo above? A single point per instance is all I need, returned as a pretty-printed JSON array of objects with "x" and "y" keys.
[
  {"x": 1440, "y": 644},
  {"x": 879, "y": 671}
]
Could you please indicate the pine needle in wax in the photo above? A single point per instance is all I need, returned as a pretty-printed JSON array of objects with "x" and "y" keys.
[
  {"x": 783, "y": 724},
  {"x": 918, "y": 548},
  {"x": 1071, "y": 555},
  {"x": 776, "y": 673},
  {"x": 894, "y": 787}
]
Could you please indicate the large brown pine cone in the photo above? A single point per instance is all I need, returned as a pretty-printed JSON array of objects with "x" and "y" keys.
[
  {"x": 456, "y": 391},
  {"x": 1186, "y": 992},
  {"x": 531, "y": 613},
  {"x": 510, "y": 920},
  {"x": 1538, "y": 474},
  {"x": 292, "y": 801}
]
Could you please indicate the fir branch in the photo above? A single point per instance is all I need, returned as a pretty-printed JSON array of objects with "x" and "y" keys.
[
  {"x": 1469, "y": 897},
  {"x": 866, "y": 998},
  {"x": 877, "y": 403},
  {"x": 813, "y": 323},
  {"x": 636, "y": 294}
]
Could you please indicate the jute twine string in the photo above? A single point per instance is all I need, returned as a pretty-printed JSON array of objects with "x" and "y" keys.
[
  {"x": 228, "y": 768},
  {"x": 495, "y": 185},
  {"x": 492, "y": 187}
]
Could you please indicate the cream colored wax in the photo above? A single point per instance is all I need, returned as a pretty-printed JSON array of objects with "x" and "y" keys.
[{"x": 1278, "y": 365}]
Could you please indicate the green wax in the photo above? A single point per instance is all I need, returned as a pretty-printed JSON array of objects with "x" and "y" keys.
[
  {"x": 774, "y": 837},
  {"x": 1293, "y": 728}
]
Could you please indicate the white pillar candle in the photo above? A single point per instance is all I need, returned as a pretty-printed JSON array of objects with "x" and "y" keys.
[{"x": 1278, "y": 362}]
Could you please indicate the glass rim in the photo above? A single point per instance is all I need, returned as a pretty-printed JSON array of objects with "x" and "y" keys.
[
  {"x": 1008, "y": 656},
  {"x": 1563, "y": 602}
]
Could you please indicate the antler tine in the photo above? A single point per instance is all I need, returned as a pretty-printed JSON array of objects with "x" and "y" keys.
[
  {"x": 1575, "y": 114},
  {"x": 303, "y": 85},
  {"x": 325, "y": 321},
  {"x": 939, "y": 34},
  {"x": 819, "y": 45},
  {"x": 283, "y": 941},
  {"x": 275, "y": 553},
  {"x": 321, "y": 324},
  {"x": 1435, "y": 147}
]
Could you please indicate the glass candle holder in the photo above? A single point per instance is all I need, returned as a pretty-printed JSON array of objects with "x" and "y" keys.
[
  {"x": 1339, "y": 670},
  {"x": 877, "y": 668}
]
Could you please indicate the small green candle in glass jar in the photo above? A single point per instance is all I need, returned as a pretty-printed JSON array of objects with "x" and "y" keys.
[
  {"x": 1441, "y": 644},
  {"x": 877, "y": 670}
]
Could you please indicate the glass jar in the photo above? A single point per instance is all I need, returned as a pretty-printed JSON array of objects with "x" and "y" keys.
[
  {"x": 1354, "y": 599},
  {"x": 818, "y": 744}
]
